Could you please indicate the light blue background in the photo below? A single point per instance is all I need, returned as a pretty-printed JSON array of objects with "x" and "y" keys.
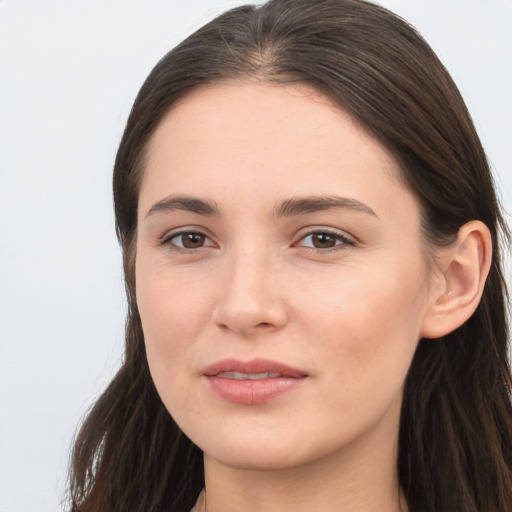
[{"x": 70, "y": 70}]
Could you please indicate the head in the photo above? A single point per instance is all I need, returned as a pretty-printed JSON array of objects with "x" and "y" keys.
[
  {"x": 367, "y": 67},
  {"x": 367, "y": 61}
]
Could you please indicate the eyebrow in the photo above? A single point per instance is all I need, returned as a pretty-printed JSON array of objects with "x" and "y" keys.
[
  {"x": 186, "y": 204},
  {"x": 311, "y": 204},
  {"x": 289, "y": 208}
]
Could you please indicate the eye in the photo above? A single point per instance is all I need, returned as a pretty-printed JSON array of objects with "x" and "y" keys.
[
  {"x": 188, "y": 240},
  {"x": 324, "y": 240}
]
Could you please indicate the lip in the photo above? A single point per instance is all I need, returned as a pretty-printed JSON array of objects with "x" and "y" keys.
[
  {"x": 252, "y": 392},
  {"x": 253, "y": 366}
]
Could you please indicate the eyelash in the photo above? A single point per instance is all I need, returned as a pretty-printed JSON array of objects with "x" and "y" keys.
[
  {"x": 341, "y": 241},
  {"x": 168, "y": 241},
  {"x": 339, "y": 237}
]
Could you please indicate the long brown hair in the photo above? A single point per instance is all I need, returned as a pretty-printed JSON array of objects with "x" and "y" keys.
[{"x": 455, "y": 444}]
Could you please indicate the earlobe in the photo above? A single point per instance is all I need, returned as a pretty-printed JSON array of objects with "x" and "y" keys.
[{"x": 464, "y": 267}]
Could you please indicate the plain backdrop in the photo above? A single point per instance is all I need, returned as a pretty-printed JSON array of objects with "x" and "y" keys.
[{"x": 69, "y": 71}]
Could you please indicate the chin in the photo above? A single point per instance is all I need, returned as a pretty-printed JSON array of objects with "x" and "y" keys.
[
  {"x": 264, "y": 451},
  {"x": 255, "y": 459}
]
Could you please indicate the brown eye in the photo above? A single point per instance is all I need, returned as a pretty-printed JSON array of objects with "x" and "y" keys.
[
  {"x": 189, "y": 240},
  {"x": 192, "y": 240},
  {"x": 323, "y": 240}
]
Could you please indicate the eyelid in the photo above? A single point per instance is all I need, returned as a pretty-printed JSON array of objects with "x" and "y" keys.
[
  {"x": 342, "y": 239},
  {"x": 167, "y": 238},
  {"x": 346, "y": 239}
]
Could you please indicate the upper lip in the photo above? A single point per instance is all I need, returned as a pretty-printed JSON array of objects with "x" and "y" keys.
[{"x": 255, "y": 366}]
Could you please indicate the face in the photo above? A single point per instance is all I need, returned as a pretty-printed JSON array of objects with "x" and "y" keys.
[{"x": 280, "y": 273}]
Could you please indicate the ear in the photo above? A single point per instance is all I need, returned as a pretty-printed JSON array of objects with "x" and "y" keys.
[{"x": 462, "y": 270}]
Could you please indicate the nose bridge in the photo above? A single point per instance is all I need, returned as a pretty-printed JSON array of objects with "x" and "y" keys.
[{"x": 249, "y": 296}]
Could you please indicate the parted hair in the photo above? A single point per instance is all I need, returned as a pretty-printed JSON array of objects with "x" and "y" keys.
[{"x": 455, "y": 439}]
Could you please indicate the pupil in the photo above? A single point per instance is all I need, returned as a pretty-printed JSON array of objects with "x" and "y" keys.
[
  {"x": 323, "y": 240},
  {"x": 193, "y": 240}
]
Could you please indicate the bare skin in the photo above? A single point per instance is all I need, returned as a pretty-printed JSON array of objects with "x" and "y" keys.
[{"x": 273, "y": 228}]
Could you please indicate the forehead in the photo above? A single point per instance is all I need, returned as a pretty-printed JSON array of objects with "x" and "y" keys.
[
  {"x": 263, "y": 141},
  {"x": 228, "y": 113}
]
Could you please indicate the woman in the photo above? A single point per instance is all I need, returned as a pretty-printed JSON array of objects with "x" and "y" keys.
[{"x": 316, "y": 303}]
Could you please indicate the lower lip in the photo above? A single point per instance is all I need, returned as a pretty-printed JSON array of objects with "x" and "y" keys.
[{"x": 251, "y": 392}]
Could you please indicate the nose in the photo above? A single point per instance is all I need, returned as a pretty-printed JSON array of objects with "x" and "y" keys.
[{"x": 250, "y": 298}]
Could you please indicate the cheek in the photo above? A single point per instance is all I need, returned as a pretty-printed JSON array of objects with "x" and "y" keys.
[
  {"x": 168, "y": 354},
  {"x": 172, "y": 317},
  {"x": 169, "y": 300},
  {"x": 369, "y": 322},
  {"x": 174, "y": 311},
  {"x": 168, "y": 311}
]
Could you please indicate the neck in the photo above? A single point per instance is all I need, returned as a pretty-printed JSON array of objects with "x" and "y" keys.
[{"x": 357, "y": 479}]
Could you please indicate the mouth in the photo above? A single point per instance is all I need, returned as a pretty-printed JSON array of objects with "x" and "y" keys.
[
  {"x": 248, "y": 376},
  {"x": 252, "y": 382}
]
